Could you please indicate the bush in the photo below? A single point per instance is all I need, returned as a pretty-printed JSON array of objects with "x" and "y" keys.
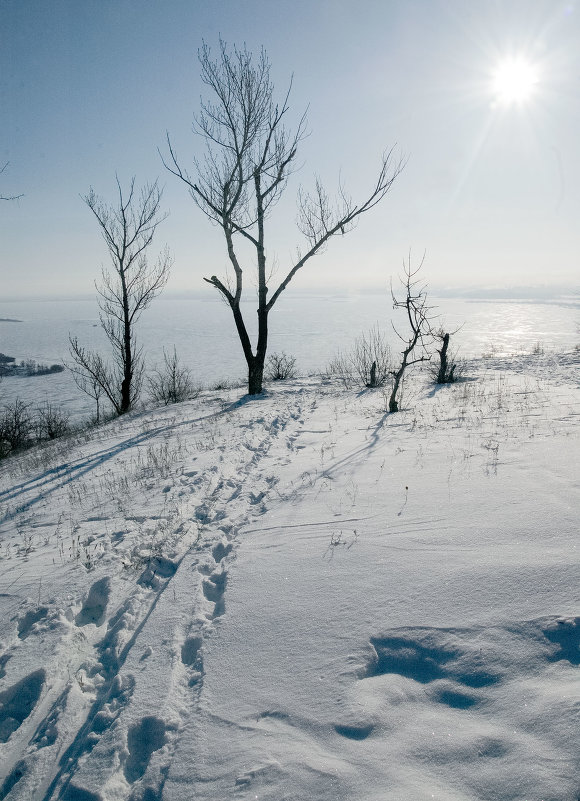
[
  {"x": 368, "y": 364},
  {"x": 51, "y": 422},
  {"x": 16, "y": 427},
  {"x": 172, "y": 383},
  {"x": 280, "y": 366}
]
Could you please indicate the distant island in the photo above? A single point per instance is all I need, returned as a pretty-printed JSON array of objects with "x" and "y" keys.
[
  {"x": 9, "y": 320},
  {"x": 8, "y": 367}
]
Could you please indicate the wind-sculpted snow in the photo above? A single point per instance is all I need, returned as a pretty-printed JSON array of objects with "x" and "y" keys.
[{"x": 298, "y": 596}]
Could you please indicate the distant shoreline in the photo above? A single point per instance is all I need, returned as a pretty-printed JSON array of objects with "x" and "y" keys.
[{"x": 9, "y": 320}]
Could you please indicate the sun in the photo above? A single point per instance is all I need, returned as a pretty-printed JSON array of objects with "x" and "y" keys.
[{"x": 514, "y": 81}]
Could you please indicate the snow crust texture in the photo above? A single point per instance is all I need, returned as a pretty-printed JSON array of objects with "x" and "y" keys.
[{"x": 300, "y": 596}]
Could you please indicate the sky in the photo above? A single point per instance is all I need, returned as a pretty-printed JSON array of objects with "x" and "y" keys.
[{"x": 489, "y": 193}]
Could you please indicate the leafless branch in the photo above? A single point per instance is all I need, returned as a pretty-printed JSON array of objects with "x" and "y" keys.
[
  {"x": 420, "y": 321},
  {"x": 8, "y": 197},
  {"x": 250, "y": 153},
  {"x": 128, "y": 228}
]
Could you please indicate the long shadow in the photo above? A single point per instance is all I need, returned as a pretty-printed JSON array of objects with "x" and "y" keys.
[
  {"x": 56, "y": 477},
  {"x": 359, "y": 452},
  {"x": 438, "y": 387}
]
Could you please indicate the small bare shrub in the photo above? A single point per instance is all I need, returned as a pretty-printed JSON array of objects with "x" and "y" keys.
[
  {"x": 226, "y": 383},
  {"x": 16, "y": 426},
  {"x": 341, "y": 368},
  {"x": 172, "y": 383},
  {"x": 368, "y": 364},
  {"x": 51, "y": 422},
  {"x": 280, "y": 366},
  {"x": 371, "y": 358}
]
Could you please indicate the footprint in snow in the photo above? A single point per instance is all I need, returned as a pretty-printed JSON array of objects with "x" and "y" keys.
[
  {"x": 220, "y": 551},
  {"x": 13, "y": 778},
  {"x": 3, "y": 659},
  {"x": 95, "y": 604},
  {"x": 190, "y": 655},
  {"x": 566, "y": 635},
  {"x": 214, "y": 588},
  {"x": 18, "y": 702},
  {"x": 47, "y": 732},
  {"x": 160, "y": 567},
  {"x": 354, "y": 732},
  {"x": 143, "y": 739},
  {"x": 32, "y": 617},
  {"x": 256, "y": 498}
]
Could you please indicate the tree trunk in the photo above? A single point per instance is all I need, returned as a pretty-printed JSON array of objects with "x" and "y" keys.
[
  {"x": 127, "y": 377},
  {"x": 373, "y": 382},
  {"x": 442, "y": 376},
  {"x": 393, "y": 403},
  {"x": 256, "y": 368},
  {"x": 127, "y": 350},
  {"x": 255, "y": 376},
  {"x": 255, "y": 363}
]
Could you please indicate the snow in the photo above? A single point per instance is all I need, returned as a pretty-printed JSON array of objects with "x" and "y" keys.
[{"x": 299, "y": 596}]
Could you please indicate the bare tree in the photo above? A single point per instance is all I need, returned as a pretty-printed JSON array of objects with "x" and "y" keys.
[
  {"x": 8, "y": 197},
  {"x": 250, "y": 153},
  {"x": 420, "y": 319},
  {"x": 125, "y": 291},
  {"x": 91, "y": 375}
]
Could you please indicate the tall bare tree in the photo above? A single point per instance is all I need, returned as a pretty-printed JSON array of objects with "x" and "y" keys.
[
  {"x": 249, "y": 156},
  {"x": 128, "y": 228}
]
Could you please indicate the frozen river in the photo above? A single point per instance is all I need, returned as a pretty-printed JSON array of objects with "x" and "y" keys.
[{"x": 312, "y": 327}]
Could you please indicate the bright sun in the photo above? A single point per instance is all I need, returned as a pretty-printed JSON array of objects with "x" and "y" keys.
[{"x": 514, "y": 81}]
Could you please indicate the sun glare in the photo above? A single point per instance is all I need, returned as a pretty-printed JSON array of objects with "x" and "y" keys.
[{"x": 514, "y": 81}]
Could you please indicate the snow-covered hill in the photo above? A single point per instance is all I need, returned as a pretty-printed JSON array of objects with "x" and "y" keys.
[{"x": 300, "y": 597}]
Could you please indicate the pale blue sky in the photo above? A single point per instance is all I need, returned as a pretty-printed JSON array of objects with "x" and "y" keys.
[{"x": 89, "y": 87}]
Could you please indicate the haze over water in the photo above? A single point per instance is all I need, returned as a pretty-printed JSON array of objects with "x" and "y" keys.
[{"x": 311, "y": 327}]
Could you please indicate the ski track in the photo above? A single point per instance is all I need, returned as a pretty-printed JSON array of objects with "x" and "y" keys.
[{"x": 118, "y": 743}]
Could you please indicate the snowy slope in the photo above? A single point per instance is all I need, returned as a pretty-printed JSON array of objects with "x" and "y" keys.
[{"x": 300, "y": 597}]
